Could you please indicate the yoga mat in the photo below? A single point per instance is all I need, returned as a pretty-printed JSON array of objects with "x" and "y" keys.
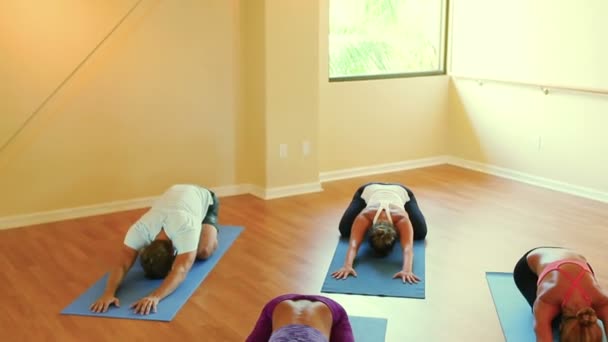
[
  {"x": 135, "y": 286},
  {"x": 513, "y": 310},
  {"x": 374, "y": 274},
  {"x": 368, "y": 329}
]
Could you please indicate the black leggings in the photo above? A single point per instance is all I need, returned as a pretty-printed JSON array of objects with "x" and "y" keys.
[
  {"x": 525, "y": 278},
  {"x": 358, "y": 204},
  {"x": 212, "y": 211}
]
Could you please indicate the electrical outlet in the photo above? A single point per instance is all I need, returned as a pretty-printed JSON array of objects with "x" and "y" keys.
[
  {"x": 283, "y": 150},
  {"x": 306, "y": 147}
]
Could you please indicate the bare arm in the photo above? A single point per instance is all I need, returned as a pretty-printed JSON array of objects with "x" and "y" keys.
[
  {"x": 406, "y": 235},
  {"x": 127, "y": 258},
  {"x": 181, "y": 266},
  {"x": 543, "y": 316},
  {"x": 360, "y": 226}
]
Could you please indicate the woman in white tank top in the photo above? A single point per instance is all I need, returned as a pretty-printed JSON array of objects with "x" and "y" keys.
[{"x": 389, "y": 211}]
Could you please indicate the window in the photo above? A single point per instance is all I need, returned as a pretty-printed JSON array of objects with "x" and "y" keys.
[{"x": 386, "y": 38}]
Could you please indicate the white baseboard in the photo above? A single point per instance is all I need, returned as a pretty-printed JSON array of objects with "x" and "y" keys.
[
  {"x": 256, "y": 191},
  {"x": 231, "y": 190},
  {"x": 110, "y": 207},
  {"x": 70, "y": 213},
  {"x": 292, "y": 190},
  {"x": 100, "y": 209},
  {"x": 382, "y": 168},
  {"x": 530, "y": 179},
  {"x": 298, "y": 189},
  {"x": 278, "y": 192}
]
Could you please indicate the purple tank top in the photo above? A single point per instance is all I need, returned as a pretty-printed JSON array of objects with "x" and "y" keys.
[{"x": 341, "y": 330}]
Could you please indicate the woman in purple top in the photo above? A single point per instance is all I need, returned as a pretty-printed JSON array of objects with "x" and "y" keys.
[{"x": 302, "y": 318}]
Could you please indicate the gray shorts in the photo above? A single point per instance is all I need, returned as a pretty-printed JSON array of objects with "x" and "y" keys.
[{"x": 212, "y": 211}]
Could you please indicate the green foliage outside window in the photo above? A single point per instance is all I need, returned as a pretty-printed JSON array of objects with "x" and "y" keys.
[{"x": 385, "y": 37}]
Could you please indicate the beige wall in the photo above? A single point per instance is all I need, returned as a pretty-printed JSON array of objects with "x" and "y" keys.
[
  {"x": 558, "y": 136},
  {"x": 155, "y": 105},
  {"x": 365, "y": 123},
  {"x": 251, "y": 153},
  {"x": 199, "y": 92},
  {"x": 41, "y": 44},
  {"x": 280, "y": 92},
  {"x": 541, "y": 41},
  {"x": 292, "y": 90}
]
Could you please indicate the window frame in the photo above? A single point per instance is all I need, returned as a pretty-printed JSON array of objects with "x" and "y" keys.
[{"x": 445, "y": 14}]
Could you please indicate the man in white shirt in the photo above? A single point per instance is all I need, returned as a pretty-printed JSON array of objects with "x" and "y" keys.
[{"x": 180, "y": 227}]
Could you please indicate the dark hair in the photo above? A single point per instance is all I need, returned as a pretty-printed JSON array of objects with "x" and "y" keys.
[
  {"x": 157, "y": 258},
  {"x": 382, "y": 237},
  {"x": 582, "y": 327}
]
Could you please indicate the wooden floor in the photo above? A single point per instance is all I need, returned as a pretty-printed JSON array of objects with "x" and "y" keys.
[{"x": 476, "y": 223}]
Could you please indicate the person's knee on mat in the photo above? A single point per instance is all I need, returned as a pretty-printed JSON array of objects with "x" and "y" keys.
[
  {"x": 204, "y": 253},
  {"x": 208, "y": 242}
]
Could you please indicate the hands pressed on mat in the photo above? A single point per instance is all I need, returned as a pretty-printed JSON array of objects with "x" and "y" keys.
[
  {"x": 104, "y": 302},
  {"x": 135, "y": 286},
  {"x": 143, "y": 306},
  {"x": 179, "y": 228},
  {"x": 382, "y": 213},
  {"x": 383, "y": 235}
]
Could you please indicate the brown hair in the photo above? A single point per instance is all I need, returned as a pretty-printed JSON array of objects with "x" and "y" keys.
[
  {"x": 157, "y": 258},
  {"x": 581, "y": 327},
  {"x": 382, "y": 237}
]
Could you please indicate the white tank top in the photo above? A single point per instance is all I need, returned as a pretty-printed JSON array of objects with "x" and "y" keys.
[{"x": 384, "y": 196}]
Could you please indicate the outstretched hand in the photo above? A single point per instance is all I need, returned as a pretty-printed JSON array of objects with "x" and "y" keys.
[
  {"x": 409, "y": 277},
  {"x": 103, "y": 303},
  {"x": 145, "y": 305},
  {"x": 344, "y": 272}
]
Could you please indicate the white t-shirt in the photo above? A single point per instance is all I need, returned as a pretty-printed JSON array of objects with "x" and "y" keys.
[
  {"x": 180, "y": 212},
  {"x": 385, "y": 194}
]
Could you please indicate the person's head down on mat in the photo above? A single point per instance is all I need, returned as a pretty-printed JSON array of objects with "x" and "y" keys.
[
  {"x": 304, "y": 318},
  {"x": 157, "y": 258},
  {"x": 385, "y": 212},
  {"x": 179, "y": 228},
  {"x": 563, "y": 292}
]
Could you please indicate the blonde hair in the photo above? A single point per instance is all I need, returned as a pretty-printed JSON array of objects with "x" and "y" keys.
[
  {"x": 581, "y": 327},
  {"x": 382, "y": 237}
]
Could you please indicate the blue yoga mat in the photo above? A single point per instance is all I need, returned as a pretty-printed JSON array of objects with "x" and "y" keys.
[
  {"x": 368, "y": 329},
  {"x": 135, "y": 286},
  {"x": 513, "y": 310},
  {"x": 374, "y": 274}
]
